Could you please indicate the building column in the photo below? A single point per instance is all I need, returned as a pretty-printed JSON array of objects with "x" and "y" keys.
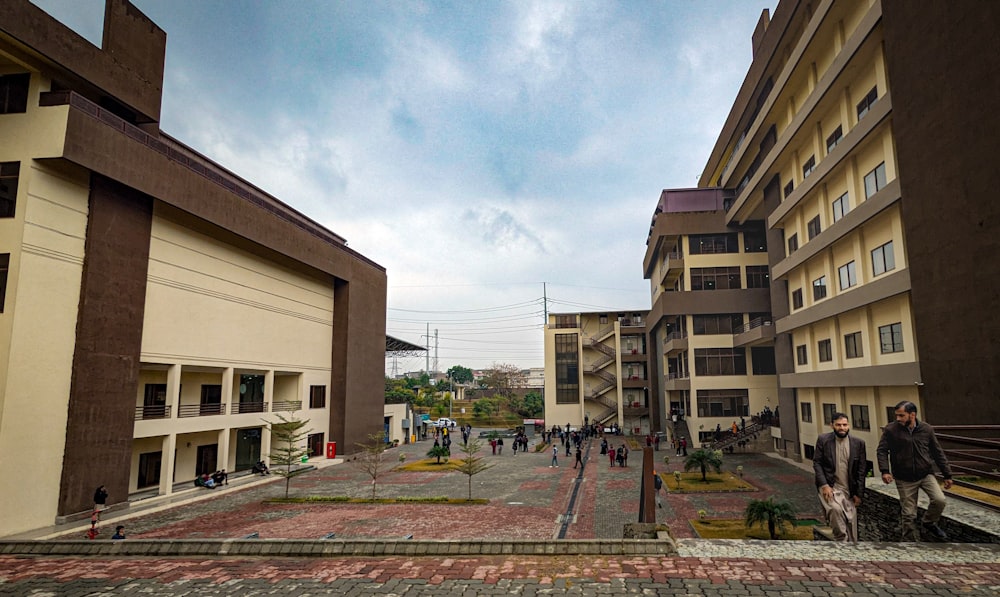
[
  {"x": 228, "y": 390},
  {"x": 265, "y": 431},
  {"x": 173, "y": 390},
  {"x": 223, "y": 461},
  {"x": 167, "y": 461}
]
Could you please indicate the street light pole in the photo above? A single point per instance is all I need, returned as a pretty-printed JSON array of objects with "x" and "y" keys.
[{"x": 451, "y": 399}]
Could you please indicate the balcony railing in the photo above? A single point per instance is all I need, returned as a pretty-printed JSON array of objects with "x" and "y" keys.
[
  {"x": 239, "y": 408},
  {"x": 287, "y": 405},
  {"x": 200, "y": 410},
  {"x": 756, "y": 323},
  {"x": 675, "y": 335},
  {"x": 678, "y": 375},
  {"x": 161, "y": 411}
]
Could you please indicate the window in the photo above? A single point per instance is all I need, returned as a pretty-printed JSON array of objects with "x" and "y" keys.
[
  {"x": 720, "y": 361},
  {"x": 819, "y": 288},
  {"x": 14, "y": 93},
  {"x": 317, "y": 396},
  {"x": 793, "y": 243},
  {"x": 789, "y": 188},
  {"x": 840, "y": 207},
  {"x": 797, "y": 298},
  {"x": 807, "y": 412},
  {"x": 723, "y": 403},
  {"x": 758, "y": 277},
  {"x": 567, "y": 369},
  {"x": 828, "y": 412},
  {"x": 709, "y": 244},
  {"x": 891, "y": 337},
  {"x": 715, "y": 278},
  {"x": 763, "y": 360},
  {"x": 211, "y": 400},
  {"x": 725, "y": 323},
  {"x": 4, "y": 266},
  {"x": 603, "y": 319},
  {"x": 859, "y": 417},
  {"x": 848, "y": 275},
  {"x": 834, "y": 139},
  {"x": 852, "y": 345},
  {"x": 8, "y": 188},
  {"x": 813, "y": 228},
  {"x": 801, "y": 355},
  {"x": 882, "y": 259},
  {"x": 875, "y": 180},
  {"x": 809, "y": 166},
  {"x": 755, "y": 240},
  {"x": 565, "y": 321},
  {"x": 825, "y": 351},
  {"x": 869, "y": 100}
]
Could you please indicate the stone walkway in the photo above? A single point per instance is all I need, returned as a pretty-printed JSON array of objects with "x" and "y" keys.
[{"x": 528, "y": 501}]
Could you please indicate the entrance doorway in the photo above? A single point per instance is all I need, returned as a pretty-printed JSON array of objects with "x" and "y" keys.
[
  {"x": 247, "y": 448},
  {"x": 207, "y": 460},
  {"x": 149, "y": 469}
]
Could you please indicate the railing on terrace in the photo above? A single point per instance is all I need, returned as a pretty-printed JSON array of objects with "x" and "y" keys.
[
  {"x": 679, "y": 375},
  {"x": 972, "y": 456},
  {"x": 756, "y": 323},
  {"x": 200, "y": 410},
  {"x": 674, "y": 335},
  {"x": 286, "y": 405},
  {"x": 239, "y": 408},
  {"x": 161, "y": 411}
]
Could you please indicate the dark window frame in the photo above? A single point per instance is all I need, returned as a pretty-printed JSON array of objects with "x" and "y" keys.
[
  {"x": 4, "y": 269},
  {"x": 806, "y": 412},
  {"x": 867, "y": 102},
  {"x": 847, "y": 275},
  {"x": 860, "y": 417},
  {"x": 834, "y": 138},
  {"x": 875, "y": 180},
  {"x": 891, "y": 338},
  {"x": 828, "y": 411},
  {"x": 825, "y": 349},
  {"x": 10, "y": 173},
  {"x": 841, "y": 207},
  {"x": 809, "y": 166},
  {"x": 813, "y": 228},
  {"x": 793, "y": 243},
  {"x": 880, "y": 264},
  {"x": 567, "y": 369},
  {"x": 709, "y": 362},
  {"x": 317, "y": 396},
  {"x": 713, "y": 244},
  {"x": 14, "y": 89},
  {"x": 801, "y": 355},
  {"x": 758, "y": 276},
  {"x": 819, "y": 288},
  {"x": 797, "y": 298},
  {"x": 716, "y": 278},
  {"x": 853, "y": 347}
]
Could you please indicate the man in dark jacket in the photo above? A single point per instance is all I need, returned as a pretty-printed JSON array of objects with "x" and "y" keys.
[
  {"x": 841, "y": 463},
  {"x": 912, "y": 449}
]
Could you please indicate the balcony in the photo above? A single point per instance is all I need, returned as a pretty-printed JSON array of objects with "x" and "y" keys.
[
  {"x": 633, "y": 381},
  {"x": 239, "y": 408},
  {"x": 672, "y": 268},
  {"x": 201, "y": 410},
  {"x": 678, "y": 381},
  {"x": 757, "y": 332},
  {"x": 286, "y": 406},
  {"x": 144, "y": 413},
  {"x": 675, "y": 342}
]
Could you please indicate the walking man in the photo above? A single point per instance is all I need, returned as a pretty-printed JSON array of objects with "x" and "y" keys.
[
  {"x": 840, "y": 463},
  {"x": 555, "y": 457},
  {"x": 906, "y": 453},
  {"x": 579, "y": 457}
]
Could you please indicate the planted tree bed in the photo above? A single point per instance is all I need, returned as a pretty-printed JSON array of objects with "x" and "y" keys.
[
  {"x": 735, "y": 528},
  {"x": 691, "y": 482}
]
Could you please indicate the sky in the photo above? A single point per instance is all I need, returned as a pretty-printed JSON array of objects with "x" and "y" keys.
[{"x": 500, "y": 159}]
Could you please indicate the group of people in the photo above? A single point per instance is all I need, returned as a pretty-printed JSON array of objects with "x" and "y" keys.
[
  {"x": 907, "y": 453},
  {"x": 619, "y": 455},
  {"x": 217, "y": 479}
]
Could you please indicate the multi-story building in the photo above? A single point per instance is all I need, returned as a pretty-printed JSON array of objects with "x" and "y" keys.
[
  {"x": 596, "y": 367},
  {"x": 863, "y": 135},
  {"x": 709, "y": 329},
  {"x": 155, "y": 309}
]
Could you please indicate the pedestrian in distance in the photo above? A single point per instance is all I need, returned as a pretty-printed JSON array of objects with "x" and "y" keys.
[
  {"x": 119, "y": 533},
  {"x": 100, "y": 499},
  {"x": 555, "y": 457},
  {"x": 612, "y": 456},
  {"x": 840, "y": 463},
  {"x": 906, "y": 454},
  {"x": 579, "y": 457}
]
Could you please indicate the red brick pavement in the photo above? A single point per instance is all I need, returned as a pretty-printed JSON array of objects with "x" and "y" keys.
[{"x": 491, "y": 569}]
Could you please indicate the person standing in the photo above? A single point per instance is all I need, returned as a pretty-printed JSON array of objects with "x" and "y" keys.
[
  {"x": 579, "y": 457},
  {"x": 840, "y": 463},
  {"x": 499, "y": 446},
  {"x": 100, "y": 499},
  {"x": 555, "y": 457},
  {"x": 906, "y": 453}
]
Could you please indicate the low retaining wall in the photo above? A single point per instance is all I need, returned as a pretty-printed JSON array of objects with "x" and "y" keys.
[
  {"x": 332, "y": 548},
  {"x": 878, "y": 518}
]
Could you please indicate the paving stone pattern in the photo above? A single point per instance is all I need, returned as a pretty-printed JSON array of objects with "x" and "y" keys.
[{"x": 528, "y": 500}]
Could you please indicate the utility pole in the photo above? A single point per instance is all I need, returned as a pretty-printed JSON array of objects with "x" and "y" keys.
[
  {"x": 435, "y": 350},
  {"x": 545, "y": 303},
  {"x": 427, "y": 355}
]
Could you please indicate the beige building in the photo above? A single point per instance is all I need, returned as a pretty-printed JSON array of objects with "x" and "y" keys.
[
  {"x": 156, "y": 310},
  {"x": 596, "y": 370},
  {"x": 710, "y": 327},
  {"x": 859, "y": 137}
]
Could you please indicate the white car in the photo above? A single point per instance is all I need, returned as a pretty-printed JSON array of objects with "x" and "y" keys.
[{"x": 445, "y": 422}]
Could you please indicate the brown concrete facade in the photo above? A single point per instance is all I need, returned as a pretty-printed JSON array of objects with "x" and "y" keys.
[
  {"x": 128, "y": 70},
  {"x": 943, "y": 59},
  {"x": 108, "y": 340}
]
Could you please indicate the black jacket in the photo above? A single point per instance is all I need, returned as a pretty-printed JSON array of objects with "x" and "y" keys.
[
  {"x": 825, "y": 463},
  {"x": 911, "y": 452}
]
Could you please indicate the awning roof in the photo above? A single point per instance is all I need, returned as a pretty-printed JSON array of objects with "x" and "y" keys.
[{"x": 396, "y": 346}]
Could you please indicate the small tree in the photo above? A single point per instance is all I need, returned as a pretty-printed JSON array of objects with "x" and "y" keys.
[
  {"x": 438, "y": 452},
  {"x": 775, "y": 514},
  {"x": 287, "y": 434},
  {"x": 703, "y": 459},
  {"x": 472, "y": 464},
  {"x": 370, "y": 460}
]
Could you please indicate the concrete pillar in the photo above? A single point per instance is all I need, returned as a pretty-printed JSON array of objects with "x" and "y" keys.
[
  {"x": 173, "y": 389},
  {"x": 224, "y": 449},
  {"x": 228, "y": 390},
  {"x": 167, "y": 462}
]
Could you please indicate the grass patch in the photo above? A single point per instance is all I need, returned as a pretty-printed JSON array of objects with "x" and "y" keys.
[
  {"x": 430, "y": 465},
  {"x": 974, "y": 494},
  {"x": 343, "y": 499},
  {"x": 735, "y": 528},
  {"x": 691, "y": 482}
]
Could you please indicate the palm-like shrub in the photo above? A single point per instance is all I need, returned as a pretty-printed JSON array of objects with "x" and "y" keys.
[
  {"x": 438, "y": 452},
  {"x": 775, "y": 514},
  {"x": 704, "y": 459}
]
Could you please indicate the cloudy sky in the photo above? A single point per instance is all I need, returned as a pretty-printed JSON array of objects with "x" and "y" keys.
[{"x": 487, "y": 154}]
